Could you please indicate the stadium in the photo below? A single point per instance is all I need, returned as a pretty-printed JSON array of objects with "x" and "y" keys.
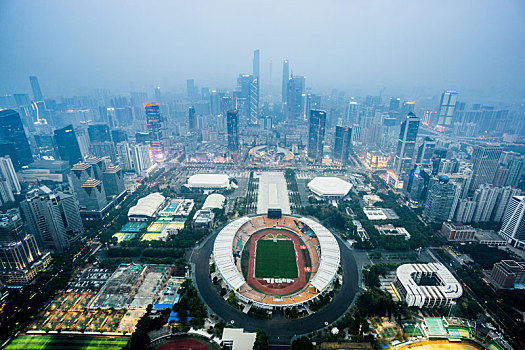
[{"x": 276, "y": 261}]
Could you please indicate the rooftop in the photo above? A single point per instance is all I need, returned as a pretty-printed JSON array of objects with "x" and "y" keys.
[{"x": 329, "y": 186}]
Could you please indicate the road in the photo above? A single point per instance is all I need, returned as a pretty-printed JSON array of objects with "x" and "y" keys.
[{"x": 279, "y": 329}]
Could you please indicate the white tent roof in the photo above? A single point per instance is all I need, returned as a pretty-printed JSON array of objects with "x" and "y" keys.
[
  {"x": 213, "y": 201},
  {"x": 329, "y": 186},
  {"x": 223, "y": 253},
  {"x": 330, "y": 255},
  {"x": 147, "y": 206},
  {"x": 209, "y": 181}
]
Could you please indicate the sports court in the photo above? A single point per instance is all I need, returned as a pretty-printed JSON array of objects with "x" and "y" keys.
[{"x": 40, "y": 342}]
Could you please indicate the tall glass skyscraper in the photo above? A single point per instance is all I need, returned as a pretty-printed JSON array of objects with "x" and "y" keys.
[
  {"x": 342, "y": 144},
  {"x": 286, "y": 77},
  {"x": 485, "y": 159},
  {"x": 406, "y": 145},
  {"x": 13, "y": 139},
  {"x": 35, "y": 86},
  {"x": 316, "y": 135},
  {"x": 446, "y": 108},
  {"x": 232, "y": 123},
  {"x": 154, "y": 122},
  {"x": 295, "y": 98},
  {"x": 67, "y": 145},
  {"x": 192, "y": 119},
  {"x": 256, "y": 63}
]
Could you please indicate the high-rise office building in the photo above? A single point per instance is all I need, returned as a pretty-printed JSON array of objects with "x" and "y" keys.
[
  {"x": 446, "y": 108},
  {"x": 295, "y": 98},
  {"x": 342, "y": 144},
  {"x": 254, "y": 100},
  {"x": 67, "y": 146},
  {"x": 13, "y": 139},
  {"x": 504, "y": 198},
  {"x": 485, "y": 159},
  {"x": 190, "y": 89},
  {"x": 485, "y": 197},
  {"x": 256, "y": 63},
  {"x": 53, "y": 217},
  {"x": 124, "y": 156},
  {"x": 142, "y": 160},
  {"x": 442, "y": 199},
  {"x": 406, "y": 145},
  {"x": 158, "y": 96},
  {"x": 7, "y": 172},
  {"x": 35, "y": 86},
  {"x": 513, "y": 227},
  {"x": 19, "y": 252},
  {"x": 286, "y": 77},
  {"x": 516, "y": 168},
  {"x": 232, "y": 124},
  {"x": 425, "y": 151},
  {"x": 99, "y": 132},
  {"x": 192, "y": 119},
  {"x": 417, "y": 185},
  {"x": 155, "y": 129},
  {"x": 316, "y": 135}
]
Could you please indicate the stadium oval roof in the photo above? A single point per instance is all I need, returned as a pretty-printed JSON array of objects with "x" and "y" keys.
[
  {"x": 329, "y": 186},
  {"x": 213, "y": 201},
  {"x": 147, "y": 206},
  {"x": 209, "y": 181},
  {"x": 328, "y": 264}
]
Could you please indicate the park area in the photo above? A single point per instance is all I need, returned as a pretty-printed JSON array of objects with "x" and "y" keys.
[
  {"x": 38, "y": 342},
  {"x": 275, "y": 259}
]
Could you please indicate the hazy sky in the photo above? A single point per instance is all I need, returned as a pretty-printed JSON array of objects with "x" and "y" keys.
[{"x": 473, "y": 46}]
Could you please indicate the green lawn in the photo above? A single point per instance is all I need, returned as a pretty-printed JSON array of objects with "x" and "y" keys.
[
  {"x": 41, "y": 342},
  {"x": 275, "y": 259}
]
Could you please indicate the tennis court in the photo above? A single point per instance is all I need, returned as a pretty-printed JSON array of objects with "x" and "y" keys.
[
  {"x": 435, "y": 326},
  {"x": 133, "y": 227}
]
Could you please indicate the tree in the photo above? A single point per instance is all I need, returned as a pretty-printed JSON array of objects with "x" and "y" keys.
[
  {"x": 261, "y": 340},
  {"x": 302, "y": 343},
  {"x": 139, "y": 340}
]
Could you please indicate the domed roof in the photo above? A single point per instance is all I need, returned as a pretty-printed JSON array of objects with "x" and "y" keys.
[{"x": 443, "y": 178}]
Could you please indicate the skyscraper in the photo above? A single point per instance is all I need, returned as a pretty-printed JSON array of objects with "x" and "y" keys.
[
  {"x": 67, "y": 145},
  {"x": 192, "y": 119},
  {"x": 446, "y": 108},
  {"x": 13, "y": 139},
  {"x": 513, "y": 227},
  {"x": 154, "y": 123},
  {"x": 256, "y": 63},
  {"x": 18, "y": 250},
  {"x": 406, "y": 145},
  {"x": 316, "y": 135},
  {"x": 190, "y": 89},
  {"x": 254, "y": 100},
  {"x": 286, "y": 77},
  {"x": 442, "y": 199},
  {"x": 232, "y": 123},
  {"x": 295, "y": 98},
  {"x": 7, "y": 172},
  {"x": 35, "y": 86},
  {"x": 141, "y": 158},
  {"x": 425, "y": 151},
  {"x": 53, "y": 217},
  {"x": 158, "y": 97},
  {"x": 485, "y": 159},
  {"x": 248, "y": 97},
  {"x": 342, "y": 144},
  {"x": 516, "y": 167}
]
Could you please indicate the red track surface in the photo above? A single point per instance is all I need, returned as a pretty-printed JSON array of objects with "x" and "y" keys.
[
  {"x": 275, "y": 289},
  {"x": 183, "y": 344}
]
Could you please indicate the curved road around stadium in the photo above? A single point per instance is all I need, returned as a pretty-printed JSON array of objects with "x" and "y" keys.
[{"x": 279, "y": 329}]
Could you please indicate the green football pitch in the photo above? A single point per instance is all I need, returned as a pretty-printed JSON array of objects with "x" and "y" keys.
[
  {"x": 38, "y": 342},
  {"x": 275, "y": 259}
]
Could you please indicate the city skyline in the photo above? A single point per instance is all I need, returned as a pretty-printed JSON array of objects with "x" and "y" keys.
[{"x": 416, "y": 64}]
